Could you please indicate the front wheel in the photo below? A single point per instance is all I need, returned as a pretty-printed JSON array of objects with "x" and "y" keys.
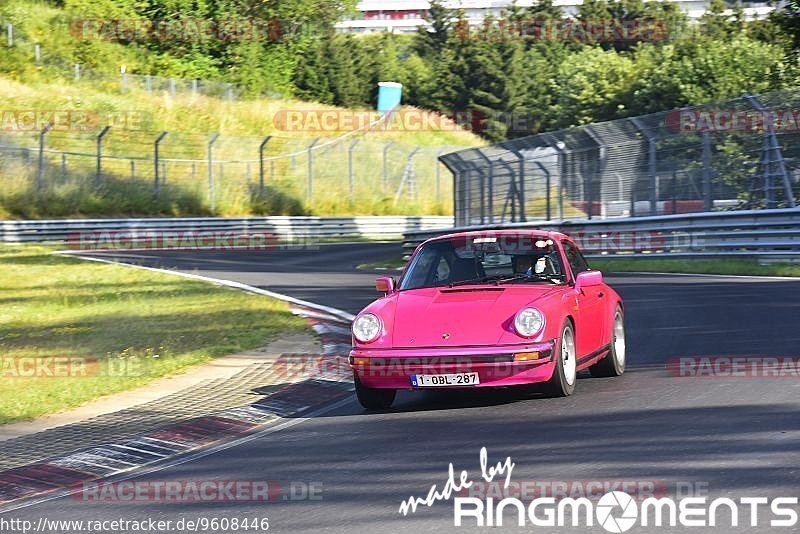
[
  {"x": 562, "y": 384},
  {"x": 373, "y": 398},
  {"x": 614, "y": 362}
]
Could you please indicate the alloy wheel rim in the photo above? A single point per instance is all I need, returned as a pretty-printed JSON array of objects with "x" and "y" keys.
[
  {"x": 619, "y": 340},
  {"x": 568, "y": 356}
]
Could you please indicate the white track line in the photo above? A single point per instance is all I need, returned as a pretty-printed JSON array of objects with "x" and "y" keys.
[
  {"x": 184, "y": 458},
  {"x": 229, "y": 283}
]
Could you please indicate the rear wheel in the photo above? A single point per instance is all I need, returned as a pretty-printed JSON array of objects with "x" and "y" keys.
[
  {"x": 614, "y": 362},
  {"x": 373, "y": 398},
  {"x": 562, "y": 384}
]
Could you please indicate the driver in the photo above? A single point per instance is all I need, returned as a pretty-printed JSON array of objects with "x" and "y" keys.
[{"x": 523, "y": 265}]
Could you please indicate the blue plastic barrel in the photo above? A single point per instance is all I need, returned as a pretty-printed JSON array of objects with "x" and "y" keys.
[{"x": 389, "y": 96}]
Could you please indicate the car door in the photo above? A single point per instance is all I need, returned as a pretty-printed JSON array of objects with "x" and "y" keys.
[{"x": 590, "y": 327}]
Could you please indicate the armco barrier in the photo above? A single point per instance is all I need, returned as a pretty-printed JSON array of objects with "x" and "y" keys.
[
  {"x": 282, "y": 228},
  {"x": 767, "y": 234}
]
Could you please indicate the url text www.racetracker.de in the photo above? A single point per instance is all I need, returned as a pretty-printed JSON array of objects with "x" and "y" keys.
[
  {"x": 615, "y": 505},
  {"x": 149, "y": 525}
]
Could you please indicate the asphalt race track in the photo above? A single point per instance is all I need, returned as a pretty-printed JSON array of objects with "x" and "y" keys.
[
  {"x": 325, "y": 274},
  {"x": 731, "y": 436}
]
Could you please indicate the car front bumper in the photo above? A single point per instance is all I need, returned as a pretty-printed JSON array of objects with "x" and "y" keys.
[{"x": 496, "y": 366}]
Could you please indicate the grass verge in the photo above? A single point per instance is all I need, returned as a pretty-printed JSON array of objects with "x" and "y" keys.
[
  {"x": 128, "y": 173},
  {"x": 387, "y": 265},
  {"x": 722, "y": 265},
  {"x": 125, "y": 327}
]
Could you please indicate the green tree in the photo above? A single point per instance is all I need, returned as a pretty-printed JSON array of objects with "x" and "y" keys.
[
  {"x": 718, "y": 23},
  {"x": 697, "y": 71},
  {"x": 786, "y": 18},
  {"x": 335, "y": 70},
  {"x": 649, "y": 21},
  {"x": 543, "y": 10},
  {"x": 431, "y": 41},
  {"x": 451, "y": 80},
  {"x": 592, "y": 85},
  {"x": 482, "y": 72},
  {"x": 344, "y": 59},
  {"x": 311, "y": 75}
]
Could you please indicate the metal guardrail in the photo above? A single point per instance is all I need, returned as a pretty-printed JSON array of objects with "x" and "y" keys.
[
  {"x": 282, "y": 228},
  {"x": 762, "y": 233}
]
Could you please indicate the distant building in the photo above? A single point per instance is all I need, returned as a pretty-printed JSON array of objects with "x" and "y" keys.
[{"x": 405, "y": 16}]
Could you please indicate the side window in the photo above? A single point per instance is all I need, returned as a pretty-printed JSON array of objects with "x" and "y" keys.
[
  {"x": 442, "y": 270},
  {"x": 421, "y": 268},
  {"x": 575, "y": 259}
]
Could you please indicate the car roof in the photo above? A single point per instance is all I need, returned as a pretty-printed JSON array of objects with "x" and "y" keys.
[{"x": 557, "y": 236}]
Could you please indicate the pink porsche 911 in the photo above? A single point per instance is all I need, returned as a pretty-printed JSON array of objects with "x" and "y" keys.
[{"x": 480, "y": 309}]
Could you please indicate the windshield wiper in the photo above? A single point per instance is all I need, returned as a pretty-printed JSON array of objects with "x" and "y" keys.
[
  {"x": 480, "y": 280},
  {"x": 498, "y": 279},
  {"x": 528, "y": 277}
]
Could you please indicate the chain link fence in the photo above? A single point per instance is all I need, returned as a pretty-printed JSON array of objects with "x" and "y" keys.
[
  {"x": 78, "y": 169},
  {"x": 212, "y": 174},
  {"x": 743, "y": 153}
]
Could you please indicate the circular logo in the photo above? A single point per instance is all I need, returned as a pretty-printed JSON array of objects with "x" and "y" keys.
[{"x": 613, "y": 520}]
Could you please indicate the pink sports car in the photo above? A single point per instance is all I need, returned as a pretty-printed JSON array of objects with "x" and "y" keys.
[{"x": 480, "y": 309}]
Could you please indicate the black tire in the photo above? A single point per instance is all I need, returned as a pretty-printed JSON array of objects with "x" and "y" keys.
[
  {"x": 373, "y": 398},
  {"x": 614, "y": 362},
  {"x": 558, "y": 385}
]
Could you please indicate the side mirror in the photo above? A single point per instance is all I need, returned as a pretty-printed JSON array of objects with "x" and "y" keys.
[
  {"x": 588, "y": 279},
  {"x": 384, "y": 284}
]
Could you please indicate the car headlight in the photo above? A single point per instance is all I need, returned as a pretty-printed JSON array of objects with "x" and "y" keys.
[
  {"x": 529, "y": 322},
  {"x": 367, "y": 327}
]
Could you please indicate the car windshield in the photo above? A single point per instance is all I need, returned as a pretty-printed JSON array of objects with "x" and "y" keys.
[{"x": 503, "y": 259}]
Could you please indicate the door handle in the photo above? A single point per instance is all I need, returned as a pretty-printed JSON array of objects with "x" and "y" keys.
[{"x": 601, "y": 294}]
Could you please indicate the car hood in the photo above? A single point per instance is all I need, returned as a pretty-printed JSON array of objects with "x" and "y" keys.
[{"x": 460, "y": 316}]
